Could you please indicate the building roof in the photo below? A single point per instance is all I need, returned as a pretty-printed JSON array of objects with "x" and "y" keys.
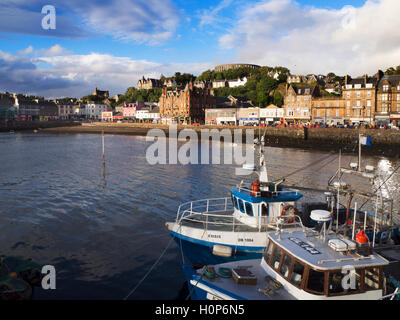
[{"x": 394, "y": 80}]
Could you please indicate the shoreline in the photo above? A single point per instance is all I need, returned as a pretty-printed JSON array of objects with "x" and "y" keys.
[{"x": 384, "y": 143}]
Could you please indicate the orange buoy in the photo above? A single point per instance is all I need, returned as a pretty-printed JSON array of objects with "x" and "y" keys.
[{"x": 255, "y": 188}]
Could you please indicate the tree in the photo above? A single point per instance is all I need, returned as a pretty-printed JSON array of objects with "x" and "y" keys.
[{"x": 278, "y": 99}]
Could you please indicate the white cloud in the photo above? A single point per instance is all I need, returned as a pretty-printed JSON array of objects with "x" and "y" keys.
[
  {"x": 143, "y": 21},
  {"x": 55, "y": 50},
  {"x": 308, "y": 39},
  {"x": 77, "y": 75}
]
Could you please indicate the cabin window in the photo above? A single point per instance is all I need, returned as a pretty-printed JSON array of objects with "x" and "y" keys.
[
  {"x": 297, "y": 274},
  {"x": 249, "y": 209},
  {"x": 372, "y": 279},
  {"x": 285, "y": 268},
  {"x": 337, "y": 287},
  {"x": 316, "y": 280},
  {"x": 276, "y": 258},
  {"x": 241, "y": 205},
  {"x": 269, "y": 252},
  {"x": 264, "y": 210},
  {"x": 234, "y": 201}
]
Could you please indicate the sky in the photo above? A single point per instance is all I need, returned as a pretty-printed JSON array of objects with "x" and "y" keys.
[{"x": 110, "y": 44}]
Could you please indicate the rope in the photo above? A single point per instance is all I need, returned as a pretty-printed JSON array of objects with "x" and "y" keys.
[
  {"x": 153, "y": 266},
  {"x": 151, "y": 269},
  {"x": 194, "y": 286}
]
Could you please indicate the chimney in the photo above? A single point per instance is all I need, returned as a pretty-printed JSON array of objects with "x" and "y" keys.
[
  {"x": 379, "y": 75},
  {"x": 346, "y": 79},
  {"x": 365, "y": 78}
]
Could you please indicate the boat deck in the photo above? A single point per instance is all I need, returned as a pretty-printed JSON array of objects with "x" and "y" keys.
[
  {"x": 251, "y": 292},
  {"x": 224, "y": 222}
]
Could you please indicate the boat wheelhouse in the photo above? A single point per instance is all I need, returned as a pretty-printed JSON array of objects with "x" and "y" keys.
[{"x": 299, "y": 264}]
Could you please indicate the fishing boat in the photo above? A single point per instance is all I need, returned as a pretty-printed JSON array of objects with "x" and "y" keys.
[
  {"x": 299, "y": 264},
  {"x": 234, "y": 228}
]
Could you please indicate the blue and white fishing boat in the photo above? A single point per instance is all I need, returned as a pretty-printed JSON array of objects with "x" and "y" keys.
[
  {"x": 299, "y": 264},
  {"x": 234, "y": 228}
]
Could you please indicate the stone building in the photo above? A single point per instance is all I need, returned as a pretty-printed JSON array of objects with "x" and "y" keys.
[
  {"x": 388, "y": 101},
  {"x": 186, "y": 106},
  {"x": 328, "y": 110},
  {"x": 360, "y": 98},
  {"x": 66, "y": 108},
  {"x": 149, "y": 83},
  {"x": 298, "y": 103},
  {"x": 225, "y": 67},
  {"x": 102, "y": 94}
]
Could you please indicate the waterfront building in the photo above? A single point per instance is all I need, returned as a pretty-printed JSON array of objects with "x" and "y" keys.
[
  {"x": 66, "y": 108},
  {"x": 149, "y": 83},
  {"x": 93, "y": 110},
  {"x": 169, "y": 83},
  {"x": 328, "y": 110},
  {"x": 27, "y": 109},
  {"x": 248, "y": 116},
  {"x": 298, "y": 103},
  {"x": 388, "y": 101},
  {"x": 185, "y": 106},
  {"x": 225, "y": 67},
  {"x": 8, "y": 111},
  {"x": 271, "y": 114},
  {"x": 221, "y": 116},
  {"x": 148, "y": 115},
  {"x": 360, "y": 98},
  {"x": 48, "y": 110}
]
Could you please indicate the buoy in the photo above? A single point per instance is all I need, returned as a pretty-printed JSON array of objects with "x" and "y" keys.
[{"x": 361, "y": 237}]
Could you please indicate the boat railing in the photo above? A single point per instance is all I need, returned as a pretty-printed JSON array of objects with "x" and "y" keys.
[
  {"x": 203, "y": 207},
  {"x": 247, "y": 190},
  {"x": 212, "y": 212}
]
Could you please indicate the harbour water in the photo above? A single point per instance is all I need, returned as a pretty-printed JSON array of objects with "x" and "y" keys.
[{"x": 103, "y": 230}]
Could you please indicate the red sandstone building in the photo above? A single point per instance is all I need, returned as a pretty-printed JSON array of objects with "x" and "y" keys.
[{"x": 186, "y": 106}]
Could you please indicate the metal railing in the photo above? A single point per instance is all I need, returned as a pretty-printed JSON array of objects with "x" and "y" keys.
[{"x": 218, "y": 212}]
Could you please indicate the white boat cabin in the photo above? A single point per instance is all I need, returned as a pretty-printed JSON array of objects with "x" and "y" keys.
[{"x": 259, "y": 204}]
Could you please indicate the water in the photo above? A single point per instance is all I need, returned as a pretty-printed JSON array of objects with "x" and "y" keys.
[{"x": 103, "y": 232}]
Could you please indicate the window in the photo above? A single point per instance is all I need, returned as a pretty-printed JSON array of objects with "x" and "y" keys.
[
  {"x": 348, "y": 94},
  {"x": 337, "y": 113},
  {"x": 357, "y": 86},
  {"x": 276, "y": 258},
  {"x": 264, "y": 210},
  {"x": 369, "y": 93},
  {"x": 269, "y": 252},
  {"x": 241, "y": 206},
  {"x": 385, "y": 88},
  {"x": 368, "y": 103},
  {"x": 372, "y": 279},
  {"x": 249, "y": 209},
  {"x": 398, "y": 97},
  {"x": 328, "y": 113},
  {"x": 234, "y": 201},
  {"x": 297, "y": 273},
  {"x": 348, "y": 103},
  {"x": 286, "y": 262},
  {"x": 318, "y": 113},
  {"x": 316, "y": 281},
  {"x": 358, "y": 94},
  {"x": 358, "y": 103}
]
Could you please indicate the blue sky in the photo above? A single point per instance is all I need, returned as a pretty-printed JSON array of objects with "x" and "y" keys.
[{"x": 111, "y": 43}]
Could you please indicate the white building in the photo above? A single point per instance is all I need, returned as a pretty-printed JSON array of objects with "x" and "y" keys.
[
  {"x": 237, "y": 83},
  {"x": 271, "y": 114},
  {"x": 145, "y": 114},
  {"x": 94, "y": 110}
]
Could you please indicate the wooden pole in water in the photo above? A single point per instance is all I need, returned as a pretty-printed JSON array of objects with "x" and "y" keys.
[{"x": 102, "y": 136}]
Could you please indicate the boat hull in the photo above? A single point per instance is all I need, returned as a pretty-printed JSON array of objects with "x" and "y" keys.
[{"x": 199, "y": 251}]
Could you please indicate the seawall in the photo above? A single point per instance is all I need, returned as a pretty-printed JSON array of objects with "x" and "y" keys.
[
  {"x": 35, "y": 125},
  {"x": 384, "y": 142}
]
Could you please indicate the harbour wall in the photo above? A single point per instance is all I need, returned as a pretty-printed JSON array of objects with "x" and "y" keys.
[
  {"x": 384, "y": 142},
  {"x": 34, "y": 125}
]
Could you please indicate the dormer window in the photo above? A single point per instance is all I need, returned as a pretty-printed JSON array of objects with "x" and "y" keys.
[
  {"x": 385, "y": 88},
  {"x": 357, "y": 86}
]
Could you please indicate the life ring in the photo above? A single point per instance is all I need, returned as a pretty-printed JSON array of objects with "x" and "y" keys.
[{"x": 290, "y": 207}]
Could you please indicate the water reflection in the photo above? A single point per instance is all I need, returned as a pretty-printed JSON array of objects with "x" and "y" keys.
[{"x": 103, "y": 229}]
